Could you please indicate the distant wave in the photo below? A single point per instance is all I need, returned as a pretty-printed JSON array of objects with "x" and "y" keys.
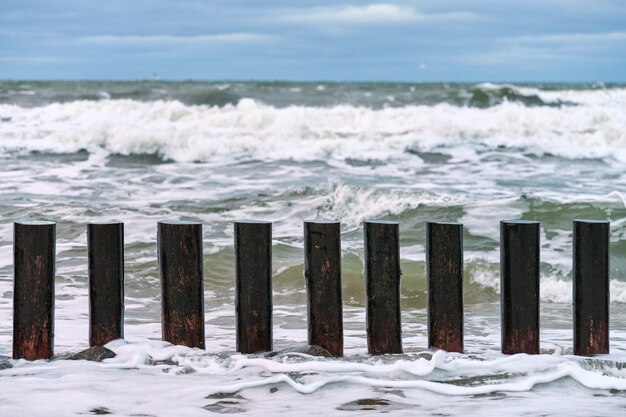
[
  {"x": 286, "y": 94},
  {"x": 552, "y": 96},
  {"x": 489, "y": 95}
]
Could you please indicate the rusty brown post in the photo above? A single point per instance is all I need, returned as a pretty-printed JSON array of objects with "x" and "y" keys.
[
  {"x": 519, "y": 286},
  {"x": 182, "y": 282},
  {"x": 253, "y": 286},
  {"x": 105, "y": 247},
  {"x": 444, "y": 276},
  {"x": 34, "y": 247},
  {"x": 382, "y": 287},
  {"x": 322, "y": 272},
  {"x": 591, "y": 287}
]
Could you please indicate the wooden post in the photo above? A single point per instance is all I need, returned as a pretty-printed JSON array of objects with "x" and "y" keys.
[
  {"x": 322, "y": 272},
  {"x": 591, "y": 287},
  {"x": 182, "y": 282},
  {"x": 34, "y": 248},
  {"x": 253, "y": 286},
  {"x": 382, "y": 287},
  {"x": 105, "y": 246},
  {"x": 444, "y": 276},
  {"x": 519, "y": 286}
]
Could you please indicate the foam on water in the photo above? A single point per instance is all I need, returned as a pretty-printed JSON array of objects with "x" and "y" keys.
[
  {"x": 252, "y": 130},
  {"x": 189, "y": 381}
]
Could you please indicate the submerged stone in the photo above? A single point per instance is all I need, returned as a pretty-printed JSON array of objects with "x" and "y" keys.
[
  {"x": 225, "y": 407},
  {"x": 223, "y": 395},
  {"x": 373, "y": 404},
  {"x": 5, "y": 363},
  {"x": 312, "y": 350},
  {"x": 100, "y": 411},
  {"x": 94, "y": 353}
]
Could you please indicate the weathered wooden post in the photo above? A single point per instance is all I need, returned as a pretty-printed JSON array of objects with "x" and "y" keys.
[
  {"x": 591, "y": 287},
  {"x": 34, "y": 247},
  {"x": 182, "y": 282},
  {"x": 382, "y": 287},
  {"x": 444, "y": 276},
  {"x": 253, "y": 286},
  {"x": 322, "y": 272},
  {"x": 105, "y": 247},
  {"x": 519, "y": 286}
]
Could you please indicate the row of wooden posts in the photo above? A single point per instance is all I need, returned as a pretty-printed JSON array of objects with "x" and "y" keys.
[{"x": 181, "y": 267}]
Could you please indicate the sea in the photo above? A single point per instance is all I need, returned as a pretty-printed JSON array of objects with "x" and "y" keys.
[{"x": 139, "y": 152}]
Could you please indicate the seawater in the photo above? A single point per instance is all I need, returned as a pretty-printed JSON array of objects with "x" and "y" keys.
[{"x": 140, "y": 152}]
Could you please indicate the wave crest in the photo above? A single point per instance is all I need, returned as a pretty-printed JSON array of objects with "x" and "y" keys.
[{"x": 252, "y": 130}]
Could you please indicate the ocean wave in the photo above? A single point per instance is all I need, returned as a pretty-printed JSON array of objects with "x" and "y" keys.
[
  {"x": 552, "y": 96},
  {"x": 553, "y": 289},
  {"x": 285, "y": 94},
  {"x": 489, "y": 95},
  {"x": 352, "y": 204},
  {"x": 252, "y": 130}
]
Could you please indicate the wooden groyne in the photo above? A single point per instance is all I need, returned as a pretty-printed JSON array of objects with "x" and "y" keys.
[
  {"x": 180, "y": 259},
  {"x": 34, "y": 249},
  {"x": 105, "y": 254}
]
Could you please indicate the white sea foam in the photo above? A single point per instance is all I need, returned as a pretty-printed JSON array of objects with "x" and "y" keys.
[
  {"x": 158, "y": 379},
  {"x": 256, "y": 131}
]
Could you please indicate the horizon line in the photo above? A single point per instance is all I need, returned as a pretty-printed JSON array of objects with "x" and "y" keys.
[{"x": 306, "y": 81}]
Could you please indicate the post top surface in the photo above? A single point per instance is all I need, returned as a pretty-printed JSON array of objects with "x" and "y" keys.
[
  {"x": 252, "y": 222},
  {"x": 35, "y": 223},
  {"x": 518, "y": 222},
  {"x": 591, "y": 221},
  {"x": 322, "y": 221},
  {"x": 179, "y": 222},
  {"x": 105, "y": 223},
  {"x": 379, "y": 222},
  {"x": 447, "y": 223}
]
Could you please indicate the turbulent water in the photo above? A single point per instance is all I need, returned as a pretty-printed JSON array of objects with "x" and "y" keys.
[{"x": 140, "y": 152}]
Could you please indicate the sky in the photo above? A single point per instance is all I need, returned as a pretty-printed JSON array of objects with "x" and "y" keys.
[{"x": 395, "y": 40}]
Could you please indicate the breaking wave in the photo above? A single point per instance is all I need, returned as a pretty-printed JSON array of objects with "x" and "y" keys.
[{"x": 253, "y": 130}]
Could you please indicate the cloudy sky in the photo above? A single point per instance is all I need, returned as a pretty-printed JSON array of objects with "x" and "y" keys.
[{"x": 396, "y": 40}]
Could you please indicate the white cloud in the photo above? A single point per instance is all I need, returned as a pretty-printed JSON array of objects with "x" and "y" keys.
[
  {"x": 378, "y": 13},
  {"x": 160, "y": 40}
]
